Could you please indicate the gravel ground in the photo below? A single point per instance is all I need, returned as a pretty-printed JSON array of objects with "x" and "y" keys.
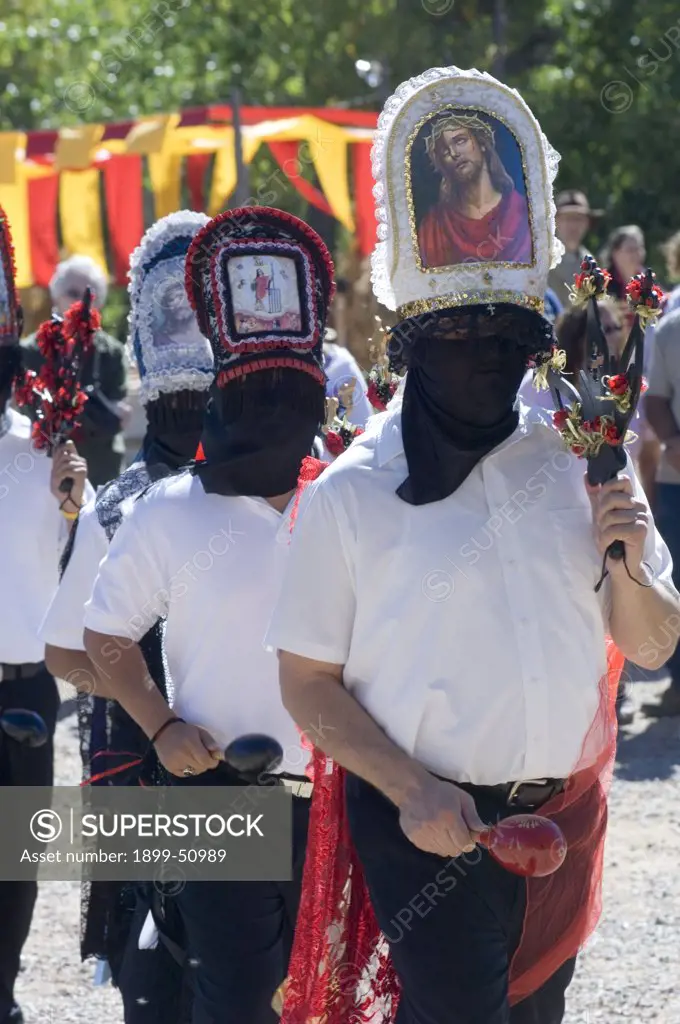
[{"x": 628, "y": 972}]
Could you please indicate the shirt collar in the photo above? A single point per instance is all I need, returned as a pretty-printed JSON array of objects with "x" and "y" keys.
[{"x": 390, "y": 442}]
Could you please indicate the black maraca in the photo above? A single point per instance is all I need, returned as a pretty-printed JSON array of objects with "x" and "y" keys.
[
  {"x": 253, "y": 755},
  {"x": 24, "y": 727}
]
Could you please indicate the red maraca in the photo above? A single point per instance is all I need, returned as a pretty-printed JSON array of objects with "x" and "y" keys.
[{"x": 526, "y": 844}]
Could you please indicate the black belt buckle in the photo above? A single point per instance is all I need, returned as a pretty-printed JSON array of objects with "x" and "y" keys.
[{"x": 513, "y": 798}]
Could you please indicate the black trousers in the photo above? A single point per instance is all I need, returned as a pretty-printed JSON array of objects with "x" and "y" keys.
[
  {"x": 240, "y": 934},
  {"x": 154, "y": 987},
  {"x": 452, "y": 925},
  {"x": 22, "y": 766}
]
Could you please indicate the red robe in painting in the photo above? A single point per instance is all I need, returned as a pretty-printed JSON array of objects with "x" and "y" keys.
[
  {"x": 446, "y": 237},
  {"x": 261, "y": 287}
]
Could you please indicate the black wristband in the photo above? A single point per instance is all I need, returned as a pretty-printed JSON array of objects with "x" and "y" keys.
[{"x": 158, "y": 733}]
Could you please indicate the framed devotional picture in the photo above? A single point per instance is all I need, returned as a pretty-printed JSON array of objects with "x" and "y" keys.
[{"x": 469, "y": 191}]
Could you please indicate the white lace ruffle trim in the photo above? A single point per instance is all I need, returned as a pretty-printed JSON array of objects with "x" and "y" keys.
[
  {"x": 395, "y": 276},
  {"x": 154, "y": 385}
]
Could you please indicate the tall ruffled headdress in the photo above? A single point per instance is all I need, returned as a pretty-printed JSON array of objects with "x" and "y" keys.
[
  {"x": 261, "y": 282},
  {"x": 171, "y": 352},
  {"x": 446, "y": 139}
]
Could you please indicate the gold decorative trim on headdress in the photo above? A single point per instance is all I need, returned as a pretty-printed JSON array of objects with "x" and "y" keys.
[
  {"x": 474, "y": 298},
  {"x": 450, "y": 122}
]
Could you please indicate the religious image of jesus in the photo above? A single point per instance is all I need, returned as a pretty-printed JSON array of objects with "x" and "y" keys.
[{"x": 479, "y": 216}]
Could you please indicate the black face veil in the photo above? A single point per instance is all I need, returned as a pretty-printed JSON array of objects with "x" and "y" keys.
[
  {"x": 257, "y": 431},
  {"x": 465, "y": 368}
]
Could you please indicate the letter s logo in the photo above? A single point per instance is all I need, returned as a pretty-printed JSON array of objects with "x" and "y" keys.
[{"x": 45, "y": 826}]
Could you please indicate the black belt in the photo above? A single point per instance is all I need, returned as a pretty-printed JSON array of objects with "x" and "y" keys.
[
  {"x": 532, "y": 793},
  {"x": 8, "y": 673},
  {"x": 298, "y": 785}
]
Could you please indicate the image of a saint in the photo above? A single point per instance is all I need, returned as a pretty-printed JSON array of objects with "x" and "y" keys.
[
  {"x": 265, "y": 295},
  {"x": 480, "y": 215},
  {"x": 261, "y": 288}
]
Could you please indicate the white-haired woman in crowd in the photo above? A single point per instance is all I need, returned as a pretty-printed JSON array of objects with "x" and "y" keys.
[{"x": 100, "y": 439}]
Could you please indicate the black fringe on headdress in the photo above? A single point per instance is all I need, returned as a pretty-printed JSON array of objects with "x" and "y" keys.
[
  {"x": 514, "y": 324},
  {"x": 181, "y": 410},
  {"x": 273, "y": 387}
]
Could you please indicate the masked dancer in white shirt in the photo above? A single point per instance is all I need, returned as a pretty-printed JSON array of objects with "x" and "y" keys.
[
  {"x": 175, "y": 365},
  {"x": 206, "y": 551},
  {"x": 457, "y": 667}
]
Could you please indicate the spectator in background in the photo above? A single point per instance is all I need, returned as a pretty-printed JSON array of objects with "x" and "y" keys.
[
  {"x": 662, "y": 406},
  {"x": 572, "y": 222},
  {"x": 570, "y": 334},
  {"x": 341, "y": 368},
  {"x": 624, "y": 256},
  {"x": 553, "y": 306},
  {"x": 99, "y": 440},
  {"x": 671, "y": 250}
]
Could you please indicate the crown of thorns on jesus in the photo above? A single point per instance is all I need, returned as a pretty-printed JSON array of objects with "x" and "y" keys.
[{"x": 451, "y": 122}]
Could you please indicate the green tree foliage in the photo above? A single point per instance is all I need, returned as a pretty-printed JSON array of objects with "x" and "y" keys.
[{"x": 602, "y": 76}]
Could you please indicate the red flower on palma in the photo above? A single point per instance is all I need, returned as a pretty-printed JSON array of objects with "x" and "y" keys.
[
  {"x": 79, "y": 401},
  {"x": 334, "y": 443},
  {"x": 50, "y": 339},
  {"x": 592, "y": 426},
  {"x": 81, "y": 328},
  {"x": 560, "y": 418},
  {"x": 578, "y": 450},
  {"x": 23, "y": 388},
  {"x": 39, "y": 437},
  {"x": 611, "y": 435},
  {"x": 618, "y": 384},
  {"x": 639, "y": 294},
  {"x": 374, "y": 397}
]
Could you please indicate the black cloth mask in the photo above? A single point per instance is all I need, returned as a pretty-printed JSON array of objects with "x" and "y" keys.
[
  {"x": 458, "y": 406},
  {"x": 257, "y": 431},
  {"x": 174, "y": 427}
]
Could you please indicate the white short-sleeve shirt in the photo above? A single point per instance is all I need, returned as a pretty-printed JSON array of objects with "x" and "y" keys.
[
  {"x": 63, "y": 623},
  {"x": 468, "y": 628},
  {"x": 212, "y": 566},
  {"x": 33, "y": 534}
]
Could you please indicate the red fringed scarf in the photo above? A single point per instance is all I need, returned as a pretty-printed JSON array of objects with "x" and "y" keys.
[{"x": 340, "y": 968}]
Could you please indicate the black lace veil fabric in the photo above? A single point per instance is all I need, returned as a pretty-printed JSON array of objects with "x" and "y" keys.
[{"x": 465, "y": 366}]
